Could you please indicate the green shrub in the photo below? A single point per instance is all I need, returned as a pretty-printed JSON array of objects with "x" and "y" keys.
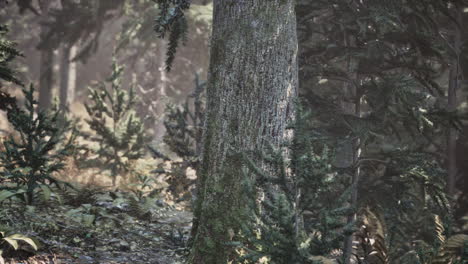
[
  {"x": 30, "y": 159},
  {"x": 7, "y": 54},
  {"x": 303, "y": 209},
  {"x": 184, "y": 125},
  {"x": 116, "y": 128}
]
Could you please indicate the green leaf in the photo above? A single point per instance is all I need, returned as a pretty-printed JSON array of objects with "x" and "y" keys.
[
  {"x": 5, "y": 194},
  {"x": 14, "y": 239},
  {"x": 88, "y": 219},
  {"x": 46, "y": 192},
  {"x": 12, "y": 242}
]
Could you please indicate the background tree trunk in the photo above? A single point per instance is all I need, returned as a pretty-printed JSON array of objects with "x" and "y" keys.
[
  {"x": 349, "y": 155},
  {"x": 46, "y": 63},
  {"x": 46, "y": 78},
  {"x": 252, "y": 85},
  {"x": 455, "y": 72},
  {"x": 159, "y": 129},
  {"x": 67, "y": 76}
]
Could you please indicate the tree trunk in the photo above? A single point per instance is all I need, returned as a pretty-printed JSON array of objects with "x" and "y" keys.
[
  {"x": 46, "y": 78},
  {"x": 67, "y": 77},
  {"x": 454, "y": 76},
  {"x": 46, "y": 63},
  {"x": 348, "y": 155},
  {"x": 159, "y": 128},
  {"x": 252, "y": 85}
]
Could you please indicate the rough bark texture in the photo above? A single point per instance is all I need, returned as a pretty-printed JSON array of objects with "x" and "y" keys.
[{"x": 252, "y": 86}]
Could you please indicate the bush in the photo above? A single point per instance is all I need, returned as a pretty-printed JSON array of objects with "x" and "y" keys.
[
  {"x": 30, "y": 160},
  {"x": 184, "y": 127},
  {"x": 117, "y": 130}
]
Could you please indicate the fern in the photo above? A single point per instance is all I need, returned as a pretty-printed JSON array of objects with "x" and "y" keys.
[{"x": 371, "y": 236}]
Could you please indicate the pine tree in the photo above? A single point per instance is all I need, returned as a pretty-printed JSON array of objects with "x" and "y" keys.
[
  {"x": 300, "y": 216},
  {"x": 117, "y": 130},
  {"x": 7, "y": 54},
  {"x": 31, "y": 159},
  {"x": 399, "y": 56}
]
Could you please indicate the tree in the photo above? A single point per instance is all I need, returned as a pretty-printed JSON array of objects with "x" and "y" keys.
[
  {"x": 31, "y": 160},
  {"x": 251, "y": 90},
  {"x": 401, "y": 56},
  {"x": 67, "y": 76},
  {"x": 47, "y": 63},
  {"x": 117, "y": 130},
  {"x": 453, "y": 85}
]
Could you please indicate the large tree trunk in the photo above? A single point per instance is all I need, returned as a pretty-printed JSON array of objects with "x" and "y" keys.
[{"x": 252, "y": 85}]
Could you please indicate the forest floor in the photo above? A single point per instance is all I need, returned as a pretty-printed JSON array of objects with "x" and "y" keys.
[{"x": 91, "y": 226}]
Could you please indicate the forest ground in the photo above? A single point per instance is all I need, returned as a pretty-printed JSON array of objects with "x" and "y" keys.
[{"x": 91, "y": 225}]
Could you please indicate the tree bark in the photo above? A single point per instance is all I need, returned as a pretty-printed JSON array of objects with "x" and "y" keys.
[
  {"x": 46, "y": 63},
  {"x": 455, "y": 74},
  {"x": 348, "y": 154},
  {"x": 159, "y": 129},
  {"x": 252, "y": 86},
  {"x": 67, "y": 76},
  {"x": 46, "y": 78}
]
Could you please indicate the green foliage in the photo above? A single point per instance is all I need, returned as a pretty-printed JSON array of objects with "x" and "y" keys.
[
  {"x": 30, "y": 159},
  {"x": 184, "y": 124},
  {"x": 303, "y": 208},
  {"x": 7, "y": 54},
  {"x": 372, "y": 72},
  {"x": 15, "y": 242},
  {"x": 404, "y": 200},
  {"x": 184, "y": 127},
  {"x": 172, "y": 21},
  {"x": 117, "y": 130}
]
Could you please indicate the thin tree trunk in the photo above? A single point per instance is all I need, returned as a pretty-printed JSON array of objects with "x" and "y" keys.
[
  {"x": 252, "y": 85},
  {"x": 71, "y": 87},
  {"x": 46, "y": 78},
  {"x": 159, "y": 129},
  {"x": 46, "y": 63},
  {"x": 64, "y": 77},
  {"x": 352, "y": 151},
  {"x": 455, "y": 72},
  {"x": 348, "y": 249}
]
